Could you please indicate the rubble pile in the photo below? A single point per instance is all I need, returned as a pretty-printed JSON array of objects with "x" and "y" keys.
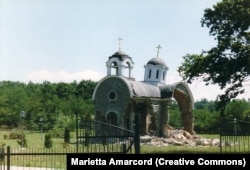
[{"x": 178, "y": 138}]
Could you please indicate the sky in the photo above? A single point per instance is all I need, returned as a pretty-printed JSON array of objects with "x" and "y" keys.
[{"x": 71, "y": 40}]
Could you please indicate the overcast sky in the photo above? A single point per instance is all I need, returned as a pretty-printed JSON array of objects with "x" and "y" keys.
[{"x": 67, "y": 40}]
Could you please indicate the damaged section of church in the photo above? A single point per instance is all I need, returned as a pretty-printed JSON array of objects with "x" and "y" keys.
[{"x": 118, "y": 96}]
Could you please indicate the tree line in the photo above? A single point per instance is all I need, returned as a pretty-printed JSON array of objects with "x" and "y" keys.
[
  {"x": 55, "y": 105},
  {"x": 207, "y": 119},
  {"x": 52, "y": 105}
]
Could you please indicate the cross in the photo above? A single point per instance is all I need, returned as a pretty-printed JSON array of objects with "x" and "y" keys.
[
  {"x": 119, "y": 39},
  {"x": 158, "y": 49}
]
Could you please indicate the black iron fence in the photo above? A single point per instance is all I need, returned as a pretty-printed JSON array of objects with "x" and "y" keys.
[
  {"x": 234, "y": 136},
  {"x": 34, "y": 158},
  {"x": 91, "y": 137},
  {"x": 99, "y": 137}
]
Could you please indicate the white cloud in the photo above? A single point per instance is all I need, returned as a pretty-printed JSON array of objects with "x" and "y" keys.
[
  {"x": 201, "y": 91},
  {"x": 39, "y": 76},
  {"x": 198, "y": 88}
]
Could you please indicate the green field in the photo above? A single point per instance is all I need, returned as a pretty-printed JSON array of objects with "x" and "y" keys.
[
  {"x": 35, "y": 144},
  {"x": 36, "y": 140}
]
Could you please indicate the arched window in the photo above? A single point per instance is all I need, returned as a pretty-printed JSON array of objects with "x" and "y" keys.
[
  {"x": 128, "y": 70},
  {"x": 157, "y": 74},
  {"x": 163, "y": 75},
  {"x": 112, "y": 118},
  {"x": 114, "y": 69},
  {"x": 149, "y": 75}
]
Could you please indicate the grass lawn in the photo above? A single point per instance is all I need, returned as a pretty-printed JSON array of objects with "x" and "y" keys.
[
  {"x": 36, "y": 140},
  {"x": 35, "y": 144}
]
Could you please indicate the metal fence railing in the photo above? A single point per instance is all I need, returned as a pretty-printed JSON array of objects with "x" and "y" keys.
[
  {"x": 99, "y": 137},
  {"x": 234, "y": 136},
  {"x": 34, "y": 158},
  {"x": 92, "y": 137}
]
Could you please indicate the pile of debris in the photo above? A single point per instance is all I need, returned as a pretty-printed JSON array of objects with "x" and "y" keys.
[{"x": 178, "y": 138}]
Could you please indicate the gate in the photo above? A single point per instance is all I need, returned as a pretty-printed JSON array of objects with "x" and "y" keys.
[
  {"x": 99, "y": 137},
  {"x": 234, "y": 136}
]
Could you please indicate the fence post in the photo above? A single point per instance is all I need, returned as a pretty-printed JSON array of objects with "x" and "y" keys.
[
  {"x": 76, "y": 113},
  {"x": 8, "y": 157},
  {"x": 2, "y": 164},
  {"x": 124, "y": 148},
  {"x": 137, "y": 133},
  {"x": 1, "y": 153}
]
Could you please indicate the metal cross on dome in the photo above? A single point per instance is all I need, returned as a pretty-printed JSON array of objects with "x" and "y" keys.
[
  {"x": 159, "y": 46},
  {"x": 119, "y": 39}
]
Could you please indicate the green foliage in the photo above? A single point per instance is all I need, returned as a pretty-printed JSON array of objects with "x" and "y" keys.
[
  {"x": 205, "y": 104},
  {"x": 246, "y": 115},
  {"x": 67, "y": 135},
  {"x": 175, "y": 118},
  {"x": 56, "y": 132},
  {"x": 227, "y": 64},
  {"x": 205, "y": 121},
  {"x": 22, "y": 141},
  {"x": 48, "y": 141},
  {"x": 14, "y": 135},
  {"x": 54, "y": 102},
  {"x": 236, "y": 109}
]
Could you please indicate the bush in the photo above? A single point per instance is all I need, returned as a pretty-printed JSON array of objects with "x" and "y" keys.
[
  {"x": 48, "y": 141},
  {"x": 56, "y": 132},
  {"x": 22, "y": 141},
  {"x": 66, "y": 135},
  {"x": 15, "y": 135},
  {"x": 5, "y": 136}
]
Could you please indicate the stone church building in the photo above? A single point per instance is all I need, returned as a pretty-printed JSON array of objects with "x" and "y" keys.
[{"x": 118, "y": 96}]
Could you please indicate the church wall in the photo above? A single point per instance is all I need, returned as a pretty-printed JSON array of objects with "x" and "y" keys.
[
  {"x": 141, "y": 108},
  {"x": 112, "y": 95},
  {"x": 129, "y": 117}
]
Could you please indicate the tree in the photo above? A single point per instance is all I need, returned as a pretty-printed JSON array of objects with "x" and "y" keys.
[
  {"x": 236, "y": 109},
  {"x": 227, "y": 64}
]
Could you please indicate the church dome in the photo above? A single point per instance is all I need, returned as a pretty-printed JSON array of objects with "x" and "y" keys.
[
  {"x": 157, "y": 61},
  {"x": 121, "y": 55}
]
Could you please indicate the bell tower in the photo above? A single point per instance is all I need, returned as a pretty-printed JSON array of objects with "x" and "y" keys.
[
  {"x": 155, "y": 70},
  {"x": 120, "y": 64}
]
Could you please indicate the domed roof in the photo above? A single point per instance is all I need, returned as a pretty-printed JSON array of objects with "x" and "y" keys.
[
  {"x": 157, "y": 61},
  {"x": 121, "y": 55}
]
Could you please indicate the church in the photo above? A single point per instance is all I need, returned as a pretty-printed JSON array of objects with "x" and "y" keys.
[{"x": 118, "y": 96}]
